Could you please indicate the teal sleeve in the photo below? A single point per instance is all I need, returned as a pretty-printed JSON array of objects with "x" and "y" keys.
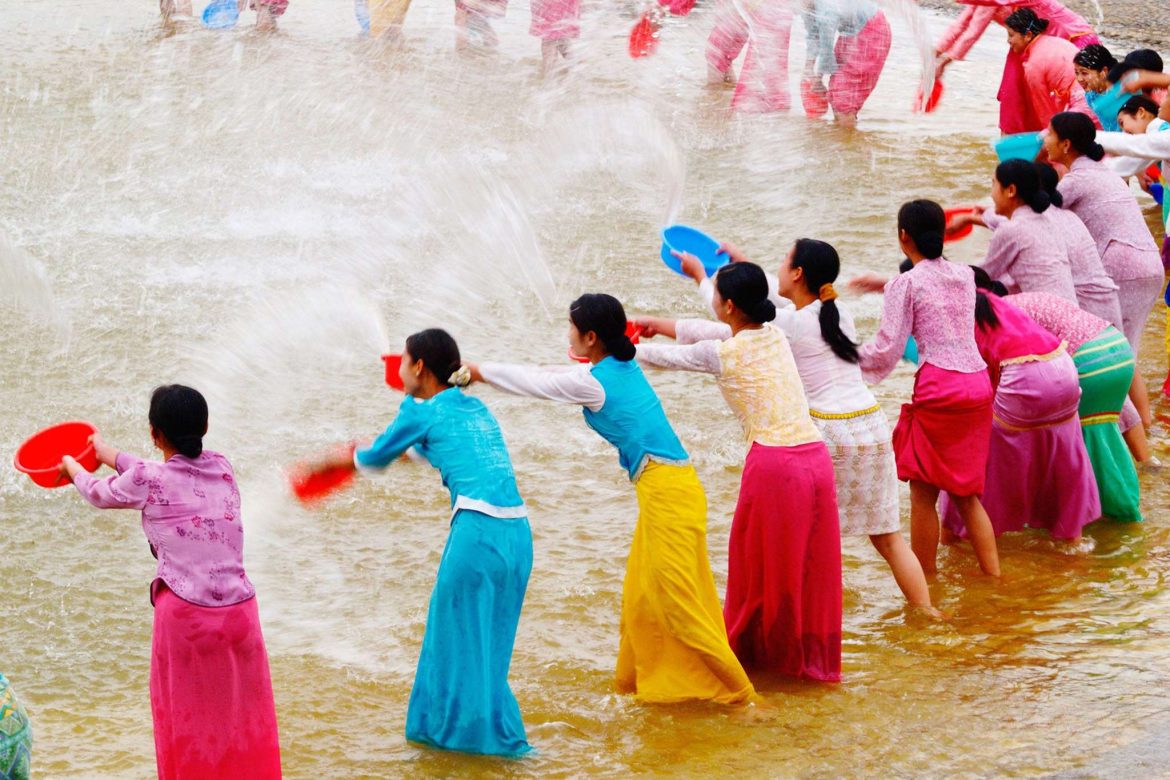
[{"x": 408, "y": 429}]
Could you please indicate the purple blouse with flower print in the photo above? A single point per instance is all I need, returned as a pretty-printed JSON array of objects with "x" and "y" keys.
[{"x": 191, "y": 517}]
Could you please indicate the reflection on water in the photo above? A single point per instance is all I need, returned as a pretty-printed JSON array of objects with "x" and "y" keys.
[{"x": 263, "y": 215}]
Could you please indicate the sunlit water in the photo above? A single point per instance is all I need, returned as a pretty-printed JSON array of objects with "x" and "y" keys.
[{"x": 261, "y": 216}]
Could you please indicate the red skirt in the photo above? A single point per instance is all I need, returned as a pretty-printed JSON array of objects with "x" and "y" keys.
[
  {"x": 783, "y": 605},
  {"x": 943, "y": 434},
  {"x": 210, "y": 692}
]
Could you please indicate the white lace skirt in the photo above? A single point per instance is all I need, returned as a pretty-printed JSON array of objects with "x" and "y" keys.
[{"x": 863, "y": 464}]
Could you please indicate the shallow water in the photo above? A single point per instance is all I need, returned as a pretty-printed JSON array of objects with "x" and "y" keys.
[{"x": 261, "y": 216}]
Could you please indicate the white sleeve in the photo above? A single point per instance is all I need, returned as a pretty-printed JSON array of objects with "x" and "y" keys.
[
  {"x": 1126, "y": 166},
  {"x": 707, "y": 293},
  {"x": 1151, "y": 146},
  {"x": 691, "y": 331},
  {"x": 702, "y": 356},
  {"x": 575, "y": 386}
]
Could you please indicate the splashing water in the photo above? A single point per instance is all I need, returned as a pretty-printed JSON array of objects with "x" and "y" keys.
[{"x": 25, "y": 286}]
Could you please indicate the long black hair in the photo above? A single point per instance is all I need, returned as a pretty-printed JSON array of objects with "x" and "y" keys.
[
  {"x": 179, "y": 414},
  {"x": 821, "y": 264},
  {"x": 1078, "y": 129},
  {"x": 925, "y": 223},
  {"x": 603, "y": 314},
  {"x": 985, "y": 315},
  {"x": 1026, "y": 179},
  {"x": 1094, "y": 57},
  {"x": 1049, "y": 178},
  {"x": 1025, "y": 22},
  {"x": 746, "y": 285},
  {"x": 438, "y": 352}
]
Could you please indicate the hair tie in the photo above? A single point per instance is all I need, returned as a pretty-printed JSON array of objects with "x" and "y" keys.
[
  {"x": 827, "y": 293},
  {"x": 460, "y": 377}
]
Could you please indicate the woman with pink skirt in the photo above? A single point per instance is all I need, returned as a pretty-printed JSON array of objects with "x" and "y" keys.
[
  {"x": 1038, "y": 471},
  {"x": 848, "y": 42},
  {"x": 1016, "y": 115},
  {"x": 766, "y": 29},
  {"x": 555, "y": 22},
  {"x": 210, "y": 689}
]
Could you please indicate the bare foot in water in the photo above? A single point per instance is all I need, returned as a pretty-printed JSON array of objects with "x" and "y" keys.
[
  {"x": 756, "y": 711},
  {"x": 718, "y": 78}
]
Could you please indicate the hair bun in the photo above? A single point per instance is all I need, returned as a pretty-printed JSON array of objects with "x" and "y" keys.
[
  {"x": 764, "y": 311},
  {"x": 1096, "y": 151}
]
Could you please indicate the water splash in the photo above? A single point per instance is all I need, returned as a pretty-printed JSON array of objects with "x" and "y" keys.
[{"x": 25, "y": 286}]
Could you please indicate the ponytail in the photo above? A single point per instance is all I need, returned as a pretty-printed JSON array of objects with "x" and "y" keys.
[
  {"x": 1048, "y": 181},
  {"x": 179, "y": 415},
  {"x": 985, "y": 316},
  {"x": 1026, "y": 178},
  {"x": 1078, "y": 130},
  {"x": 820, "y": 265}
]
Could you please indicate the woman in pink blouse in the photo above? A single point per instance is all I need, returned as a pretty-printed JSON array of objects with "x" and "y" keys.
[
  {"x": 1016, "y": 114},
  {"x": 210, "y": 690},
  {"x": 942, "y": 435},
  {"x": 1038, "y": 472},
  {"x": 1109, "y": 210}
]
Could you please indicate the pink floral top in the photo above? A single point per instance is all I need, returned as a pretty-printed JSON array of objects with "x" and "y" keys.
[
  {"x": 1028, "y": 249},
  {"x": 1110, "y": 211},
  {"x": 1060, "y": 318},
  {"x": 191, "y": 516},
  {"x": 934, "y": 302}
]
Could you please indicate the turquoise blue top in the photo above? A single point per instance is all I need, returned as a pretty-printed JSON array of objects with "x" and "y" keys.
[
  {"x": 1107, "y": 122},
  {"x": 459, "y": 436},
  {"x": 632, "y": 418}
]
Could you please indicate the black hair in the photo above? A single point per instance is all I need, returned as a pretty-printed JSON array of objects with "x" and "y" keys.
[
  {"x": 179, "y": 414},
  {"x": 1138, "y": 59},
  {"x": 821, "y": 264},
  {"x": 1023, "y": 175},
  {"x": 1138, "y": 102},
  {"x": 1094, "y": 57},
  {"x": 437, "y": 350},
  {"x": 985, "y": 315},
  {"x": 925, "y": 223},
  {"x": 1078, "y": 129},
  {"x": 1025, "y": 21},
  {"x": 1049, "y": 178},
  {"x": 603, "y": 314},
  {"x": 746, "y": 285},
  {"x": 906, "y": 265}
]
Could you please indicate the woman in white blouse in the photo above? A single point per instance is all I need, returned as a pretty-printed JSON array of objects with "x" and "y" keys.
[{"x": 854, "y": 427}]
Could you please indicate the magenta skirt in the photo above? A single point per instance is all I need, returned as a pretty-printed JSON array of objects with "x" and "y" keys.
[
  {"x": 210, "y": 692},
  {"x": 862, "y": 58},
  {"x": 1038, "y": 470},
  {"x": 942, "y": 435}
]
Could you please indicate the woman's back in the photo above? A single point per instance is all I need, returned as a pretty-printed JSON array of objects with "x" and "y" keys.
[{"x": 1110, "y": 212}]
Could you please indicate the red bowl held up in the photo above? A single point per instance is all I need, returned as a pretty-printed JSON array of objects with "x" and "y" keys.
[
  {"x": 311, "y": 485},
  {"x": 633, "y": 333},
  {"x": 964, "y": 231},
  {"x": 393, "y": 363},
  {"x": 40, "y": 456}
]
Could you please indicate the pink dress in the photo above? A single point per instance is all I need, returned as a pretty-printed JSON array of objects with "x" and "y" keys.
[
  {"x": 942, "y": 435},
  {"x": 210, "y": 689},
  {"x": 1049, "y": 84},
  {"x": 554, "y": 20},
  {"x": 849, "y": 44},
  {"x": 763, "y": 82},
  {"x": 1038, "y": 471}
]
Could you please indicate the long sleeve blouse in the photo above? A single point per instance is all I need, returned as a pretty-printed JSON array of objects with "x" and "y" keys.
[
  {"x": 1050, "y": 81},
  {"x": 979, "y": 14},
  {"x": 1105, "y": 204},
  {"x": 1060, "y": 318},
  {"x": 934, "y": 302},
  {"x": 756, "y": 373},
  {"x": 191, "y": 517},
  {"x": 1027, "y": 248}
]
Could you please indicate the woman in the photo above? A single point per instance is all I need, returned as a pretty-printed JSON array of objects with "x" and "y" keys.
[
  {"x": 673, "y": 642},
  {"x": 822, "y": 338},
  {"x": 942, "y": 435},
  {"x": 1016, "y": 114},
  {"x": 1038, "y": 473},
  {"x": 765, "y": 27},
  {"x": 783, "y": 605},
  {"x": 1105, "y": 369},
  {"x": 1091, "y": 67},
  {"x": 210, "y": 689},
  {"x": 15, "y": 735},
  {"x": 1107, "y": 207},
  {"x": 461, "y": 699},
  {"x": 847, "y": 41},
  {"x": 1026, "y": 245}
]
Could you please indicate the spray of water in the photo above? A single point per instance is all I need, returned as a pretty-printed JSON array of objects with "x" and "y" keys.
[{"x": 25, "y": 286}]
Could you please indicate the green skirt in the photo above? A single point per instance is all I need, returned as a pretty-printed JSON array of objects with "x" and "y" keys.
[
  {"x": 15, "y": 735},
  {"x": 1105, "y": 368}
]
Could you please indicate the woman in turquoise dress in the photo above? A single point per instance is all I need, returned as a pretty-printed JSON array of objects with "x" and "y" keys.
[{"x": 461, "y": 699}]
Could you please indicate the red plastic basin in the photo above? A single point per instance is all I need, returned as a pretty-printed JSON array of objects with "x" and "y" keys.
[{"x": 40, "y": 456}]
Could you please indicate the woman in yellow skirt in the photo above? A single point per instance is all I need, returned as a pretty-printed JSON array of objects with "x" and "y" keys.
[{"x": 673, "y": 641}]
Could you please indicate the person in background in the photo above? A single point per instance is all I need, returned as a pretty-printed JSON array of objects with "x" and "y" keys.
[
  {"x": 1091, "y": 66},
  {"x": 15, "y": 735},
  {"x": 846, "y": 41},
  {"x": 1139, "y": 60},
  {"x": 210, "y": 688},
  {"x": 557, "y": 23},
  {"x": 765, "y": 28},
  {"x": 1047, "y": 83}
]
